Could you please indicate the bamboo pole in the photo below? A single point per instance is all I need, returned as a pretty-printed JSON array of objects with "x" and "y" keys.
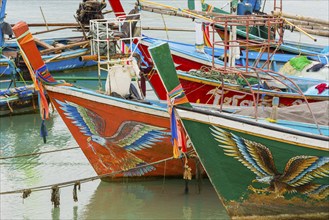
[
  {"x": 317, "y": 32},
  {"x": 167, "y": 29},
  {"x": 183, "y": 11},
  {"x": 299, "y": 29},
  {"x": 302, "y": 18},
  {"x": 304, "y": 23},
  {"x": 310, "y": 27},
  {"x": 165, "y": 12},
  {"x": 82, "y": 43},
  {"x": 51, "y": 30},
  {"x": 74, "y": 25},
  {"x": 81, "y": 26},
  {"x": 51, "y": 24},
  {"x": 43, "y": 44}
]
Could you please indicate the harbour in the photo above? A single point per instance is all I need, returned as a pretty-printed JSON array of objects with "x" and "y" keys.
[{"x": 60, "y": 159}]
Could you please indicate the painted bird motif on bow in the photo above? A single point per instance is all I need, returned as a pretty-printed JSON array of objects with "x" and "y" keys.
[
  {"x": 131, "y": 136},
  {"x": 297, "y": 176}
]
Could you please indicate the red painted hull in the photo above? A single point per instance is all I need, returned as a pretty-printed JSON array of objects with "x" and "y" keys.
[
  {"x": 113, "y": 117},
  {"x": 199, "y": 91}
]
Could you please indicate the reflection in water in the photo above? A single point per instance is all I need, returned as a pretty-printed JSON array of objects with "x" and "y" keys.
[
  {"x": 97, "y": 200},
  {"x": 154, "y": 200},
  {"x": 55, "y": 213}
]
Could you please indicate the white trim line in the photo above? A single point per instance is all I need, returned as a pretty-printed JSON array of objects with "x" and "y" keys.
[
  {"x": 134, "y": 106},
  {"x": 254, "y": 129}
]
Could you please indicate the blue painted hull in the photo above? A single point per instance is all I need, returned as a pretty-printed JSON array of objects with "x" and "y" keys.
[
  {"x": 278, "y": 60},
  {"x": 66, "y": 60},
  {"x": 188, "y": 50}
]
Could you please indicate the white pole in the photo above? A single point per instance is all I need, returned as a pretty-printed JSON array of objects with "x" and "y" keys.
[
  {"x": 234, "y": 52},
  {"x": 199, "y": 42}
]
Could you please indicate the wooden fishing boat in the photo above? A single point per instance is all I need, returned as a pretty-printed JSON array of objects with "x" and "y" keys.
[
  {"x": 59, "y": 54},
  {"x": 186, "y": 56},
  {"x": 258, "y": 170},
  {"x": 209, "y": 91},
  {"x": 238, "y": 92},
  {"x": 287, "y": 46},
  {"x": 253, "y": 33},
  {"x": 15, "y": 99},
  {"x": 121, "y": 137},
  {"x": 18, "y": 100},
  {"x": 204, "y": 85}
]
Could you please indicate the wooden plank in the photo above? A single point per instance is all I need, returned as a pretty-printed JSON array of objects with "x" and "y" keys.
[
  {"x": 43, "y": 44},
  {"x": 53, "y": 50}
]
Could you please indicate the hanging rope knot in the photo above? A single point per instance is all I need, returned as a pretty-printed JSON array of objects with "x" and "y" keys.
[
  {"x": 77, "y": 185},
  {"x": 26, "y": 193},
  {"x": 187, "y": 170},
  {"x": 178, "y": 138},
  {"x": 55, "y": 197},
  {"x": 187, "y": 173}
]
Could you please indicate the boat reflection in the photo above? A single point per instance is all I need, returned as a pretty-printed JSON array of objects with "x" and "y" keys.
[{"x": 159, "y": 199}]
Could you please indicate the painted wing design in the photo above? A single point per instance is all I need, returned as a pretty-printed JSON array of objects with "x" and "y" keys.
[
  {"x": 301, "y": 170},
  {"x": 319, "y": 191},
  {"x": 134, "y": 136},
  {"x": 253, "y": 155},
  {"x": 86, "y": 120}
]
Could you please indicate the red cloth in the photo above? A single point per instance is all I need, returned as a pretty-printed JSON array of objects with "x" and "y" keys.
[{"x": 321, "y": 87}]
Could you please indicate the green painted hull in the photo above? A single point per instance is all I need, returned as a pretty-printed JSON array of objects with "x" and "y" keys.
[
  {"x": 257, "y": 170},
  {"x": 235, "y": 182}
]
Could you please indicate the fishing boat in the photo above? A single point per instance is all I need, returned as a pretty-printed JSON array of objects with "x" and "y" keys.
[
  {"x": 237, "y": 92},
  {"x": 204, "y": 80},
  {"x": 18, "y": 100},
  {"x": 121, "y": 134},
  {"x": 59, "y": 54},
  {"x": 258, "y": 170},
  {"x": 186, "y": 57},
  {"x": 258, "y": 33}
]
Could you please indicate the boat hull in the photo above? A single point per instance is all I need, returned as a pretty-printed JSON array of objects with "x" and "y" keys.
[
  {"x": 236, "y": 183},
  {"x": 21, "y": 100},
  {"x": 114, "y": 114},
  {"x": 258, "y": 170},
  {"x": 205, "y": 91},
  {"x": 201, "y": 90},
  {"x": 65, "y": 61}
]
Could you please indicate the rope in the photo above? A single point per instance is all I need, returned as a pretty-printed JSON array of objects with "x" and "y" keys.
[
  {"x": 10, "y": 108},
  {"x": 55, "y": 196},
  {"x": 83, "y": 180},
  {"x": 33, "y": 154}
]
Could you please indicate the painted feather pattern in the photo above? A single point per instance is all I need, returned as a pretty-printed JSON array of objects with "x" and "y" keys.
[
  {"x": 130, "y": 136},
  {"x": 297, "y": 176}
]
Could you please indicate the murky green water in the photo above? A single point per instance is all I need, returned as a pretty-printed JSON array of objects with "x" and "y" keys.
[{"x": 161, "y": 199}]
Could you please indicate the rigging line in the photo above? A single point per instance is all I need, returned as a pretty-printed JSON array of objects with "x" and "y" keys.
[
  {"x": 83, "y": 180},
  {"x": 38, "y": 153}
]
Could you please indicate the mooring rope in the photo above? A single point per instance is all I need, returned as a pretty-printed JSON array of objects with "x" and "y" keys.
[
  {"x": 38, "y": 153},
  {"x": 28, "y": 191}
]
